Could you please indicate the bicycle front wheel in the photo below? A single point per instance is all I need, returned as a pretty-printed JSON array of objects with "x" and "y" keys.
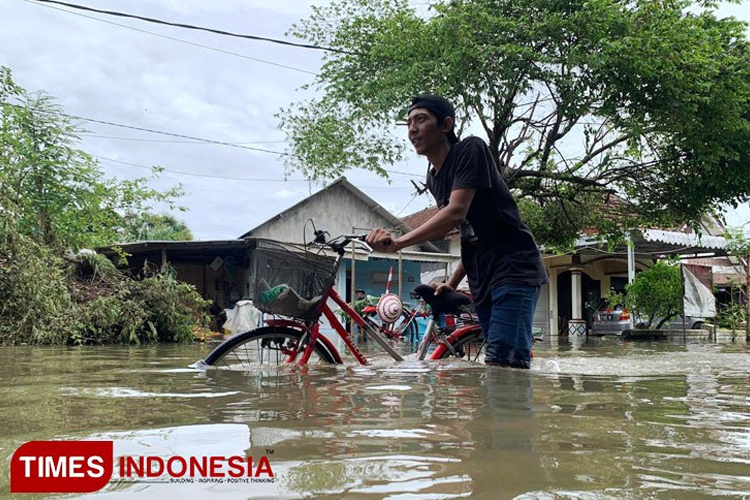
[
  {"x": 468, "y": 345},
  {"x": 409, "y": 329},
  {"x": 262, "y": 346}
]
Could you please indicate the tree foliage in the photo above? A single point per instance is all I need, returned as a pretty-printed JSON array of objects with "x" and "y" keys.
[
  {"x": 578, "y": 100},
  {"x": 47, "y": 299},
  {"x": 54, "y": 198},
  {"x": 151, "y": 226},
  {"x": 656, "y": 293},
  {"x": 53, "y": 191},
  {"x": 739, "y": 247}
]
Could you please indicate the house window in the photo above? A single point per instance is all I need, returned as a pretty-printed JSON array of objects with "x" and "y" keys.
[{"x": 381, "y": 278}]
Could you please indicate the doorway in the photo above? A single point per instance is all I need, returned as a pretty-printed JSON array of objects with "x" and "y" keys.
[{"x": 590, "y": 296}]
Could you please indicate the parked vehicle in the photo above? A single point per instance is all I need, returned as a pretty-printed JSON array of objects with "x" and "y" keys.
[
  {"x": 615, "y": 320},
  {"x": 610, "y": 320},
  {"x": 676, "y": 323}
]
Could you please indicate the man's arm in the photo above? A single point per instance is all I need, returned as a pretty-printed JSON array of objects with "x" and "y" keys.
[
  {"x": 452, "y": 284},
  {"x": 458, "y": 275},
  {"x": 438, "y": 226}
]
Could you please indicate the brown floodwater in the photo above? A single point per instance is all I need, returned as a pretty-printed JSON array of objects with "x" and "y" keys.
[{"x": 604, "y": 419}]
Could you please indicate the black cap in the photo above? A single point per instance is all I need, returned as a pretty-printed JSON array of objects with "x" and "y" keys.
[
  {"x": 440, "y": 107},
  {"x": 359, "y": 290}
]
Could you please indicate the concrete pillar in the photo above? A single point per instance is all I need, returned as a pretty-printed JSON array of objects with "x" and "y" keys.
[
  {"x": 576, "y": 325},
  {"x": 554, "y": 327},
  {"x": 575, "y": 290},
  {"x": 400, "y": 274},
  {"x": 631, "y": 259}
]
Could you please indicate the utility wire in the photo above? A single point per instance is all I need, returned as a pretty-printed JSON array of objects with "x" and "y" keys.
[
  {"x": 170, "y": 141},
  {"x": 191, "y": 137},
  {"x": 171, "y": 134},
  {"x": 414, "y": 197},
  {"x": 193, "y": 174},
  {"x": 223, "y": 177},
  {"x": 181, "y": 40},
  {"x": 193, "y": 27}
]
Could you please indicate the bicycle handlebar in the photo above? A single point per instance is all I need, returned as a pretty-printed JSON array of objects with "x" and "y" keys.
[
  {"x": 359, "y": 239},
  {"x": 339, "y": 243}
]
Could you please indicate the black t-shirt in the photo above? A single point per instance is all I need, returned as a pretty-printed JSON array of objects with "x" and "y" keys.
[{"x": 496, "y": 246}]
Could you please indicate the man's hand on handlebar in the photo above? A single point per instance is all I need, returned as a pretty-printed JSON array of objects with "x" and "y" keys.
[
  {"x": 381, "y": 241},
  {"x": 443, "y": 287}
]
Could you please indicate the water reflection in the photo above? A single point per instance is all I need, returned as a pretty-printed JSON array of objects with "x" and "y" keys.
[
  {"x": 503, "y": 431},
  {"x": 609, "y": 420}
]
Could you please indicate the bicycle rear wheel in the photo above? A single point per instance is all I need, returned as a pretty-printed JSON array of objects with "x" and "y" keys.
[
  {"x": 467, "y": 345},
  {"x": 261, "y": 346},
  {"x": 402, "y": 329}
]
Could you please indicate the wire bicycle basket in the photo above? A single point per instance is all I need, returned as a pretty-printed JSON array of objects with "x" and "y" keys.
[{"x": 288, "y": 279}]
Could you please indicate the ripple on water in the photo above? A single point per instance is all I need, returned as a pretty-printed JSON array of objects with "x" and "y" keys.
[
  {"x": 674, "y": 363},
  {"x": 124, "y": 392}
]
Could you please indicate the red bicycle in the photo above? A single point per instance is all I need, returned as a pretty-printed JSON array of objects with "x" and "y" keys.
[
  {"x": 293, "y": 285},
  {"x": 406, "y": 328}
]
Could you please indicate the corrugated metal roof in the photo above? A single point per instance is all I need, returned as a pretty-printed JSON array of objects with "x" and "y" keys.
[
  {"x": 156, "y": 245},
  {"x": 688, "y": 240},
  {"x": 656, "y": 242}
]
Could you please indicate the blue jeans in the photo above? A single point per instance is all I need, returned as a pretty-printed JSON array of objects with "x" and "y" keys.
[{"x": 506, "y": 323}]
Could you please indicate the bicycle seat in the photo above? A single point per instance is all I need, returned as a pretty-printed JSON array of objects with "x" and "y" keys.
[{"x": 448, "y": 302}]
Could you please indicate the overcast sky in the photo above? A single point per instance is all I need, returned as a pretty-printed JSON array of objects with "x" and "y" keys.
[{"x": 187, "y": 82}]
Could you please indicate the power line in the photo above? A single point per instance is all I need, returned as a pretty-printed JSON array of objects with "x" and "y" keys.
[
  {"x": 421, "y": 176},
  {"x": 178, "y": 39},
  {"x": 210, "y": 141},
  {"x": 191, "y": 137},
  {"x": 161, "y": 132},
  {"x": 170, "y": 141},
  {"x": 193, "y": 27},
  {"x": 172, "y": 134},
  {"x": 414, "y": 197},
  {"x": 223, "y": 177},
  {"x": 193, "y": 174}
]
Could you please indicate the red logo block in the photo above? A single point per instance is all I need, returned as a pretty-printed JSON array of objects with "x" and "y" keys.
[{"x": 61, "y": 466}]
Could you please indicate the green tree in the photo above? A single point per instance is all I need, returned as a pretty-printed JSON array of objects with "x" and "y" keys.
[
  {"x": 739, "y": 247},
  {"x": 53, "y": 191},
  {"x": 150, "y": 226},
  {"x": 657, "y": 293},
  {"x": 578, "y": 100}
]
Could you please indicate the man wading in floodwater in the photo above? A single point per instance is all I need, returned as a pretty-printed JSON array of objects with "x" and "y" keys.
[{"x": 498, "y": 252}]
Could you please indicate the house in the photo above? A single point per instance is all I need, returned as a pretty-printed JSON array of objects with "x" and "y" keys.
[
  {"x": 342, "y": 208},
  {"x": 220, "y": 269}
]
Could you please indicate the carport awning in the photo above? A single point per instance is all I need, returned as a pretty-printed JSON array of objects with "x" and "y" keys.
[
  {"x": 207, "y": 249},
  {"x": 656, "y": 242},
  {"x": 426, "y": 257},
  {"x": 191, "y": 250}
]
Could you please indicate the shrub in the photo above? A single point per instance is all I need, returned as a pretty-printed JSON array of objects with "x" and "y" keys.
[
  {"x": 656, "y": 293},
  {"x": 47, "y": 299}
]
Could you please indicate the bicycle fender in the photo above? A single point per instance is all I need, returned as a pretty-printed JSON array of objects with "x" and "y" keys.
[
  {"x": 288, "y": 324},
  {"x": 331, "y": 349}
]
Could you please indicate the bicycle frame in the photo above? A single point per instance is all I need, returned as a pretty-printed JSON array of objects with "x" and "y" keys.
[
  {"x": 315, "y": 333},
  {"x": 439, "y": 335},
  {"x": 410, "y": 319},
  {"x": 324, "y": 310},
  {"x": 296, "y": 338},
  {"x": 390, "y": 328}
]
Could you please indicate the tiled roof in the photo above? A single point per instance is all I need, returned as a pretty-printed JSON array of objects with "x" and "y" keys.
[{"x": 418, "y": 218}]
